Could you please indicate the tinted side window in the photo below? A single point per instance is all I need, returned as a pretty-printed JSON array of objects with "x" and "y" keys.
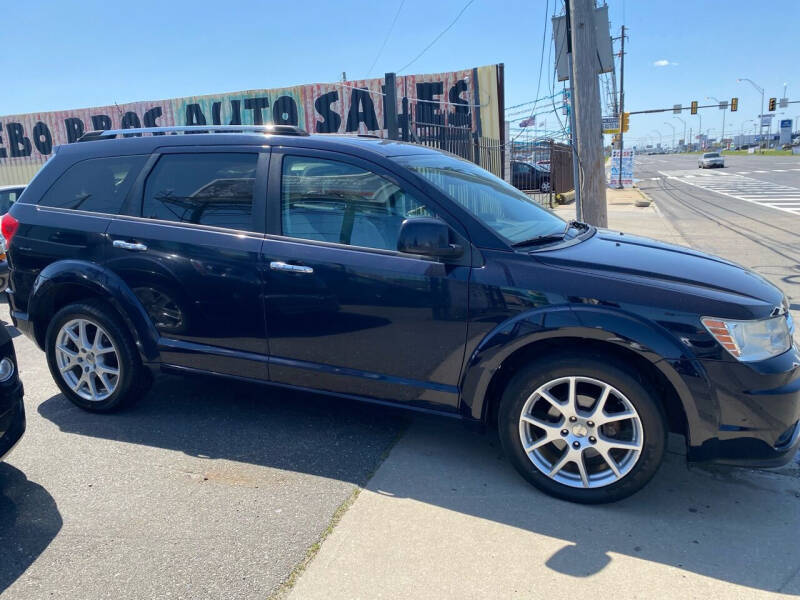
[
  {"x": 97, "y": 184},
  {"x": 7, "y": 198},
  {"x": 205, "y": 189},
  {"x": 331, "y": 201}
]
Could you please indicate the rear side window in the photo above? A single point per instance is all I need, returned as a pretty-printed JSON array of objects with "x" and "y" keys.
[
  {"x": 97, "y": 184},
  {"x": 8, "y": 197},
  {"x": 204, "y": 189}
]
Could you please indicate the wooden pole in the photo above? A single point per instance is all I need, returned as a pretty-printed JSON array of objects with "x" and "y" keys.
[{"x": 588, "y": 117}]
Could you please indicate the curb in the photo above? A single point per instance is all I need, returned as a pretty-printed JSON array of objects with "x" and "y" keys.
[{"x": 645, "y": 201}]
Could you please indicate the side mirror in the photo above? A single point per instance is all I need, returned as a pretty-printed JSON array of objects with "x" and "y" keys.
[{"x": 427, "y": 236}]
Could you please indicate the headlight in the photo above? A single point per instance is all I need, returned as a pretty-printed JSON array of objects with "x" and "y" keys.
[
  {"x": 752, "y": 340},
  {"x": 6, "y": 369}
]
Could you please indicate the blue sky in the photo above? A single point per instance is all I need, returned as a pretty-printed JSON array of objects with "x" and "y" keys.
[{"x": 70, "y": 54}]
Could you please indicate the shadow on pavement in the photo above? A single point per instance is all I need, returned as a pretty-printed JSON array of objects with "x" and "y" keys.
[
  {"x": 218, "y": 419},
  {"x": 719, "y": 524},
  {"x": 29, "y": 520},
  {"x": 733, "y": 525}
]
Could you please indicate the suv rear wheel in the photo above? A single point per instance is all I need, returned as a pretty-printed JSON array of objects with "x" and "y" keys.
[
  {"x": 93, "y": 358},
  {"x": 582, "y": 430}
]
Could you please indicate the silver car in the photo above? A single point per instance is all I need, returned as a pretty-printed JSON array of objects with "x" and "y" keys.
[{"x": 710, "y": 160}]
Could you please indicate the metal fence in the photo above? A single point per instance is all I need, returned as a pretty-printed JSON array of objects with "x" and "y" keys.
[{"x": 461, "y": 141}]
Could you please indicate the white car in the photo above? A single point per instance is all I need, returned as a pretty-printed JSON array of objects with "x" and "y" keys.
[{"x": 710, "y": 160}]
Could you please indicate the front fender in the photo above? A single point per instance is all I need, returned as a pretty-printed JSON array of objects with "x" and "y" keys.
[
  {"x": 625, "y": 330},
  {"x": 100, "y": 282}
]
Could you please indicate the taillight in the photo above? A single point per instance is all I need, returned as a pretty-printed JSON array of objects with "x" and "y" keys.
[{"x": 9, "y": 226}]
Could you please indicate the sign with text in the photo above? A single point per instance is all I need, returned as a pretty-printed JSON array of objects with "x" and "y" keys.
[
  {"x": 611, "y": 124},
  {"x": 467, "y": 98},
  {"x": 626, "y": 175},
  {"x": 786, "y": 131}
]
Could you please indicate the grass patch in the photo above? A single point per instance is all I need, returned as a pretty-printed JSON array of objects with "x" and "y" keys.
[{"x": 759, "y": 153}]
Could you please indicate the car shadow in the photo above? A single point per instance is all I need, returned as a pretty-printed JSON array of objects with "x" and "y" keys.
[
  {"x": 700, "y": 520},
  {"x": 212, "y": 418},
  {"x": 29, "y": 521},
  {"x": 735, "y": 525}
]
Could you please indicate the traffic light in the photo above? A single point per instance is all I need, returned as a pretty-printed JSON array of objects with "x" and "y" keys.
[
  {"x": 734, "y": 104},
  {"x": 772, "y": 103},
  {"x": 694, "y": 107},
  {"x": 623, "y": 126}
]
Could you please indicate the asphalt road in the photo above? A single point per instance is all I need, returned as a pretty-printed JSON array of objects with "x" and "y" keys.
[
  {"x": 205, "y": 489},
  {"x": 748, "y": 212}
]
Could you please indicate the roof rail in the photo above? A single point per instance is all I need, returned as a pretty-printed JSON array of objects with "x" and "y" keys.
[{"x": 107, "y": 134}]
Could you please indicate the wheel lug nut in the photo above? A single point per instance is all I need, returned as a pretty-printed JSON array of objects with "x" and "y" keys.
[
  {"x": 592, "y": 439},
  {"x": 564, "y": 432},
  {"x": 576, "y": 445},
  {"x": 590, "y": 423},
  {"x": 573, "y": 419}
]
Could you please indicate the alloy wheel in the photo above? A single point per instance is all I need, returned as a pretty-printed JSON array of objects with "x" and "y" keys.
[
  {"x": 87, "y": 359},
  {"x": 581, "y": 432}
]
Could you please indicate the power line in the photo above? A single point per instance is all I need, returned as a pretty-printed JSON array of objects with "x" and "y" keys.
[
  {"x": 541, "y": 63},
  {"x": 436, "y": 39},
  {"x": 386, "y": 39}
]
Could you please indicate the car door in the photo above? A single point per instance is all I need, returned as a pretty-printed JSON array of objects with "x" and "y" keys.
[
  {"x": 188, "y": 247},
  {"x": 346, "y": 312}
]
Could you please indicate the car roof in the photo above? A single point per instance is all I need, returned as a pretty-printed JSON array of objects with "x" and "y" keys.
[
  {"x": 146, "y": 144},
  {"x": 3, "y": 188}
]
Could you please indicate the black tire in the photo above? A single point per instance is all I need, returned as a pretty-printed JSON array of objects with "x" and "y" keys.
[
  {"x": 133, "y": 379},
  {"x": 653, "y": 423}
]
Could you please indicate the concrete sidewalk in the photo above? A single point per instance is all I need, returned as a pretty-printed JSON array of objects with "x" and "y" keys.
[
  {"x": 446, "y": 516},
  {"x": 624, "y": 215}
]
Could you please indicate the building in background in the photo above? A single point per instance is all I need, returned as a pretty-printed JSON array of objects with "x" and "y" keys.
[{"x": 470, "y": 99}]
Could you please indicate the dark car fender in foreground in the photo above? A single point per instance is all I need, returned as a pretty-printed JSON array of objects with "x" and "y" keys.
[
  {"x": 542, "y": 331},
  {"x": 72, "y": 276}
]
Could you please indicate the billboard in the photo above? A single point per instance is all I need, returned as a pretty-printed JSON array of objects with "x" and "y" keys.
[{"x": 466, "y": 98}]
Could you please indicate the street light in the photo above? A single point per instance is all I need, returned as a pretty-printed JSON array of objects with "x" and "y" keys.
[
  {"x": 684, "y": 128},
  {"x": 741, "y": 131},
  {"x": 700, "y": 131},
  {"x": 660, "y": 139},
  {"x": 760, "y": 117},
  {"x": 673, "y": 133},
  {"x": 722, "y": 135}
]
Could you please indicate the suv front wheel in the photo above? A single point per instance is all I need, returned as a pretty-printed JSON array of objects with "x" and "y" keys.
[
  {"x": 581, "y": 429},
  {"x": 93, "y": 358}
]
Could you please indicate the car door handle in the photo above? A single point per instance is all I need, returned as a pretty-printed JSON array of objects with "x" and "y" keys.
[
  {"x": 282, "y": 266},
  {"x": 135, "y": 246}
]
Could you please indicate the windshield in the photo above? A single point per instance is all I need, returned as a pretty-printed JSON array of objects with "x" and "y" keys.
[
  {"x": 499, "y": 206},
  {"x": 711, "y": 155}
]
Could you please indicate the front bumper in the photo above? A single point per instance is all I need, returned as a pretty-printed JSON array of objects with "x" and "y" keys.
[
  {"x": 758, "y": 420},
  {"x": 12, "y": 419}
]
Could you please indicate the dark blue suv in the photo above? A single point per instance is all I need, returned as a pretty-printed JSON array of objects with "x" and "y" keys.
[{"x": 392, "y": 273}]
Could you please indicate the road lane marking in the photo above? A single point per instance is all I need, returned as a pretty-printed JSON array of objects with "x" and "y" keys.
[{"x": 770, "y": 195}]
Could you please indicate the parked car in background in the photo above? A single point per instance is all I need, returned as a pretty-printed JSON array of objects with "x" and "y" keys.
[
  {"x": 8, "y": 195},
  {"x": 12, "y": 410},
  {"x": 710, "y": 160},
  {"x": 423, "y": 282},
  {"x": 529, "y": 177}
]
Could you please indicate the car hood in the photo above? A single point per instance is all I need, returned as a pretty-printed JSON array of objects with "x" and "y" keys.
[{"x": 620, "y": 255}]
